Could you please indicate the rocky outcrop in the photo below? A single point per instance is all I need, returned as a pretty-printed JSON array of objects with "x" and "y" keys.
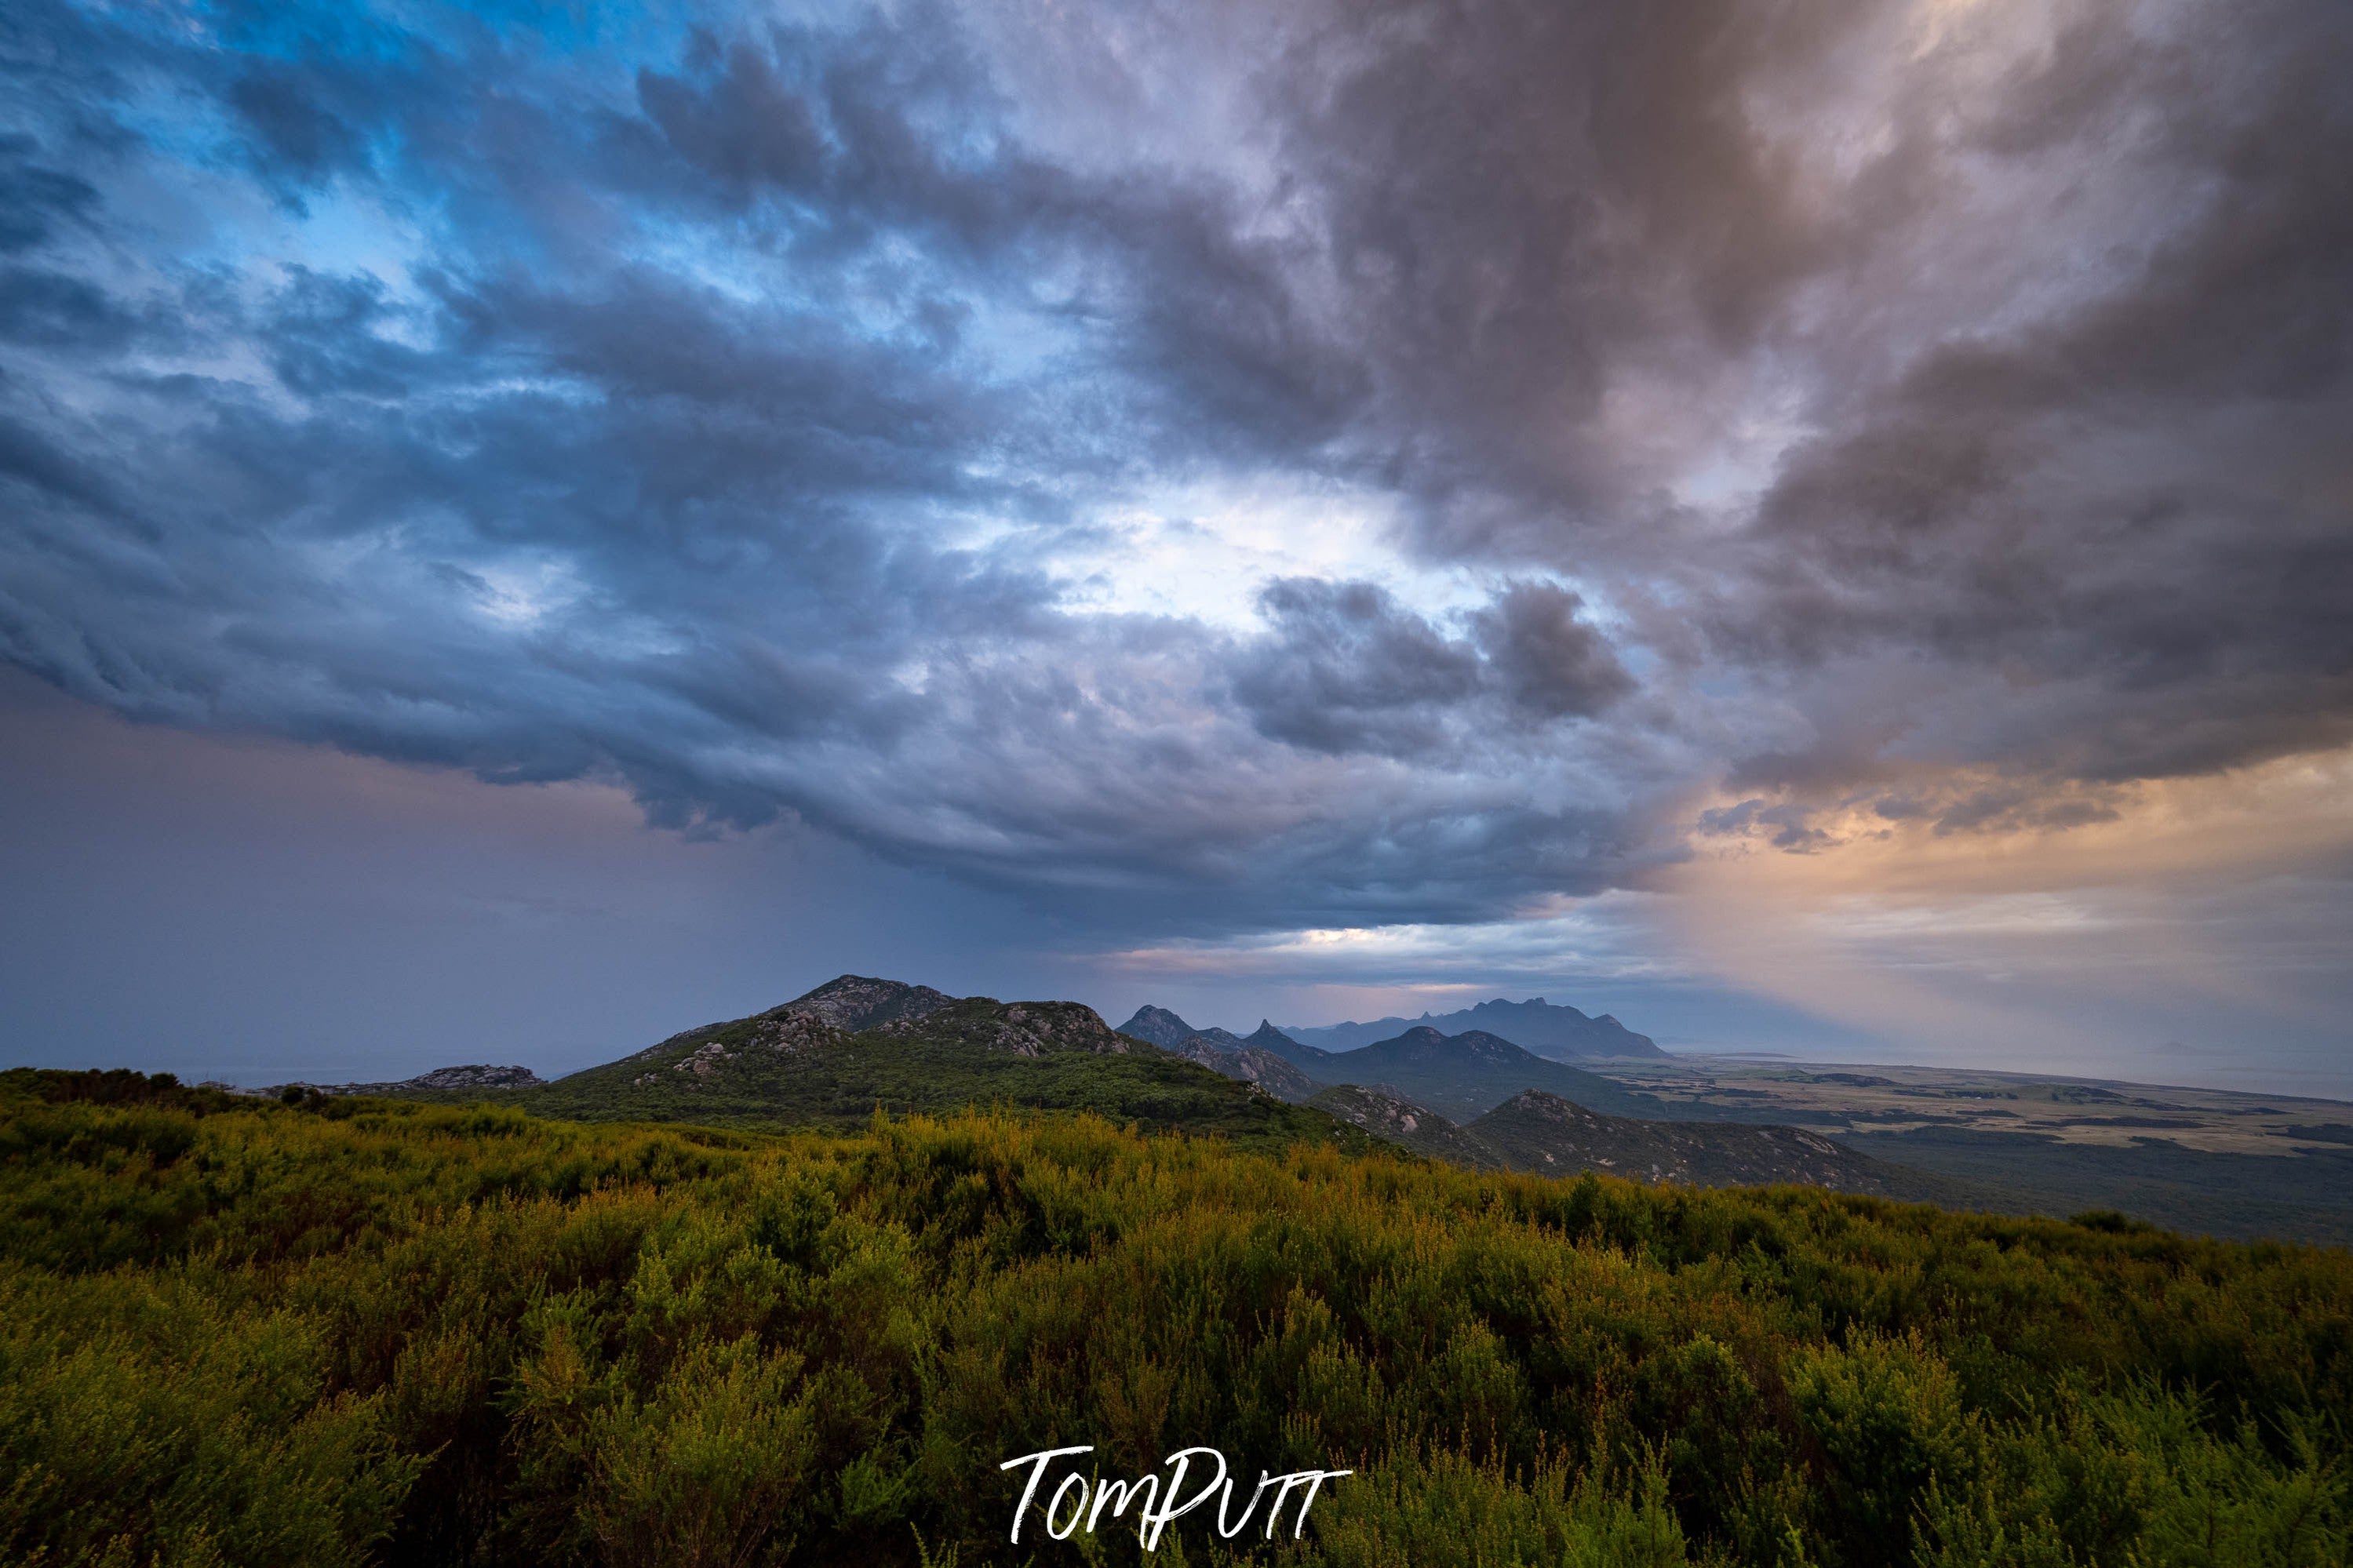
[
  {"x": 477, "y": 1077},
  {"x": 856, "y": 1002},
  {"x": 790, "y": 1033},
  {"x": 1024, "y": 1028}
]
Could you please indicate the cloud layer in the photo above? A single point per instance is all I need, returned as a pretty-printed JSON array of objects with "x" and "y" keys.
[{"x": 1666, "y": 426}]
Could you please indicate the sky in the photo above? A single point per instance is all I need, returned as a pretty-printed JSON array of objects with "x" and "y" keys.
[{"x": 1818, "y": 528}]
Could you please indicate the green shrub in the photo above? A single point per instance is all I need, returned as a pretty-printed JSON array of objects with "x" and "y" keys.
[{"x": 350, "y": 1331}]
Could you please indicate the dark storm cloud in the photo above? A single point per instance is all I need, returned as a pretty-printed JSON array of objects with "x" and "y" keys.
[
  {"x": 893, "y": 129},
  {"x": 1550, "y": 663},
  {"x": 35, "y": 199},
  {"x": 1522, "y": 203},
  {"x": 2117, "y": 478},
  {"x": 2136, "y": 508},
  {"x": 297, "y": 136},
  {"x": 552, "y": 512},
  {"x": 1345, "y": 668},
  {"x": 736, "y": 409}
]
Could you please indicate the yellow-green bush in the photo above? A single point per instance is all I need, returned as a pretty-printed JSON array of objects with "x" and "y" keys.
[{"x": 352, "y": 1331}]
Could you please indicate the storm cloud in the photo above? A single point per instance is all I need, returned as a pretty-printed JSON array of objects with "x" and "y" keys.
[{"x": 1344, "y": 463}]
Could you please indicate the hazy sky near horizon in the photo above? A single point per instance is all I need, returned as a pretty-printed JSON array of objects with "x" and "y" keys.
[{"x": 1816, "y": 527}]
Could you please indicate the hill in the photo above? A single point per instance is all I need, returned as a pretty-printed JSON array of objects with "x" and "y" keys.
[
  {"x": 356, "y": 1331},
  {"x": 1540, "y": 1131},
  {"x": 1561, "y": 1034},
  {"x": 1460, "y": 1075},
  {"x": 834, "y": 1056},
  {"x": 1544, "y": 1133}
]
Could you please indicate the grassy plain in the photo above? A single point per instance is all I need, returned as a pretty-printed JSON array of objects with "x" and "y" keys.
[{"x": 2204, "y": 1160}]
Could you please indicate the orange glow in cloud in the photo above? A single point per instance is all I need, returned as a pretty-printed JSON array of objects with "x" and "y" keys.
[{"x": 1914, "y": 934}]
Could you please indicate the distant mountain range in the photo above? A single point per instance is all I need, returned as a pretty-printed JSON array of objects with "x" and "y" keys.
[
  {"x": 1458, "y": 1075},
  {"x": 857, "y": 1044},
  {"x": 1535, "y": 1024},
  {"x": 1463, "y": 1075}
]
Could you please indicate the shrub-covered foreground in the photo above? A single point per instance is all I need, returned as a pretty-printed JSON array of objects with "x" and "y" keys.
[{"x": 357, "y": 1331}]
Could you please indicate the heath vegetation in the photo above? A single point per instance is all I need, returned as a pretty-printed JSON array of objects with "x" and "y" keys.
[{"x": 357, "y": 1331}]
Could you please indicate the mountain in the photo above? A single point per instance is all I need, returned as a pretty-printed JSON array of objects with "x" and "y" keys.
[
  {"x": 1223, "y": 1051},
  {"x": 1535, "y": 1024},
  {"x": 834, "y": 1056},
  {"x": 1267, "y": 1037},
  {"x": 1158, "y": 1027},
  {"x": 1462, "y": 1075}
]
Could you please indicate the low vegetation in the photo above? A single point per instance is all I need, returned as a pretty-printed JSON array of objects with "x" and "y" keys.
[{"x": 355, "y": 1331}]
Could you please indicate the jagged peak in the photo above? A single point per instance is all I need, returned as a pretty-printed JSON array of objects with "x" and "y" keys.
[{"x": 1158, "y": 1027}]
